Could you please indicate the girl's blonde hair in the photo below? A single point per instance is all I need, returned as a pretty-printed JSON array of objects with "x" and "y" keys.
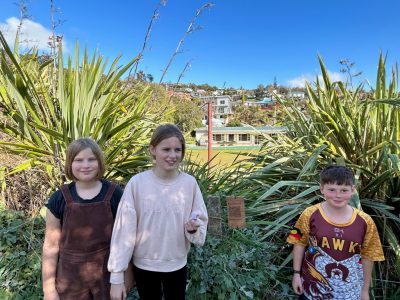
[
  {"x": 77, "y": 146},
  {"x": 166, "y": 131}
]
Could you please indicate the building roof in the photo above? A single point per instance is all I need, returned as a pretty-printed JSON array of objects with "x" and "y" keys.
[
  {"x": 245, "y": 129},
  {"x": 265, "y": 101}
]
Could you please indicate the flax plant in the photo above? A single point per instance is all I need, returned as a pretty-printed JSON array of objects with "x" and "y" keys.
[
  {"x": 89, "y": 101},
  {"x": 338, "y": 125}
]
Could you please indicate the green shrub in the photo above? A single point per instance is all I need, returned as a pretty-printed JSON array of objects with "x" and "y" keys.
[
  {"x": 236, "y": 266},
  {"x": 20, "y": 255}
]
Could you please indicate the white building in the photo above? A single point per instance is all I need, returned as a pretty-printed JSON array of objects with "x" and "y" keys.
[
  {"x": 296, "y": 94},
  {"x": 221, "y": 106},
  {"x": 237, "y": 136}
]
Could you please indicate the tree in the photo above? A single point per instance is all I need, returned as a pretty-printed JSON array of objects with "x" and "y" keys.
[
  {"x": 252, "y": 115},
  {"x": 187, "y": 115},
  {"x": 140, "y": 76},
  {"x": 259, "y": 92},
  {"x": 149, "y": 77},
  {"x": 234, "y": 123},
  {"x": 184, "y": 112}
]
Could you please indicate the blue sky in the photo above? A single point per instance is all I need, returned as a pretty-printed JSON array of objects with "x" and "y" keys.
[{"x": 242, "y": 43}]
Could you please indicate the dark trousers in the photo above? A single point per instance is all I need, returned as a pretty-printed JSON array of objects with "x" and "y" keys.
[
  {"x": 302, "y": 297},
  {"x": 152, "y": 285}
]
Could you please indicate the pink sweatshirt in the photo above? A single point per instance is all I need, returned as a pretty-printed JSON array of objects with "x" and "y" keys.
[{"x": 150, "y": 224}]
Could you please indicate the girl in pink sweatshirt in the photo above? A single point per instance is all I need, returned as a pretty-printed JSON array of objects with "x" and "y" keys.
[{"x": 161, "y": 212}]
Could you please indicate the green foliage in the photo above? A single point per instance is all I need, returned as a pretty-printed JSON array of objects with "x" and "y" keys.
[
  {"x": 260, "y": 91},
  {"x": 277, "y": 192},
  {"x": 241, "y": 264},
  {"x": 187, "y": 114},
  {"x": 338, "y": 125},
  {"x": 46, "y": 106},
  {"x": 361, "y": 129},
  {"x": 233, "y": 267},
  {"x": 20, "y": 251},
  {"x": 234, "y": 123},
  {"x": 215, "y": 180},
  {"x": 252, "y": 115},
  {"x": 394, "y": 291},
  {"x": 169, "y": 107}
]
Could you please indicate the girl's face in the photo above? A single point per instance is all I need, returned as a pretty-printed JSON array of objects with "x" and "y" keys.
[
  {"x": 168, "y": 154},
  {"x": 85, "y": 166}
]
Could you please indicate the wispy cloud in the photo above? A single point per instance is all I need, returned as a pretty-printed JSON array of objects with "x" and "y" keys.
[
  {"x": 301, "y": 80},
  {"x": 32, "y": 34}
]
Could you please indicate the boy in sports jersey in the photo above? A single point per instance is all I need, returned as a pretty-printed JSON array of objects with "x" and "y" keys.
[{"x": 342, "y": 243}]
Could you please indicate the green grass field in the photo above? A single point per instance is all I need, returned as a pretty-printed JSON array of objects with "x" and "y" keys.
[{"x": 223, "y": 157}]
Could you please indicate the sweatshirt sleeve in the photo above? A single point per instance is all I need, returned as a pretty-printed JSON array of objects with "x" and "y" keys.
[
  {"x": 123, "y": 236},
  {"x": 199, "y": 208}
]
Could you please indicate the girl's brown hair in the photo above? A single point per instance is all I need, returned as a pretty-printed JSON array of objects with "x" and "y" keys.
[
  {"x": 166, "y": 131},
  {"x": 77, "y": 146}
]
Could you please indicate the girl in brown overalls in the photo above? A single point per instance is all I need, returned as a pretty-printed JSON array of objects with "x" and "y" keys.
[{"x": 79, "y": 222}]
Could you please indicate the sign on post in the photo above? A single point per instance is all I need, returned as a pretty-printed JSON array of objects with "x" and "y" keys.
[{"x": 236, "y": 212}]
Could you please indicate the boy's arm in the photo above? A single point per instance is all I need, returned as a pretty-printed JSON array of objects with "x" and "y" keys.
[
  {"x": 367, "y": 270},
  {"x": 50, "y": 256},
  {"x": 298, "y": 254}
]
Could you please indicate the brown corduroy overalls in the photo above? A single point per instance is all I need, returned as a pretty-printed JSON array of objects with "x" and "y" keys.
[{"x": 84, "y": 249}]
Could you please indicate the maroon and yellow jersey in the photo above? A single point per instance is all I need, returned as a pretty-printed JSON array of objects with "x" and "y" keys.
[{"x": 332, "y": 267}]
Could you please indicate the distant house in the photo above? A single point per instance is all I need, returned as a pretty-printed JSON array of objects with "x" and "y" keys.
[
  {"x": 296, "y": 94},
  {"x": 201, "y": 92},
  {"x": 247, "y": 103},
  {"x": 218, "y": 93},
  {"x": 265, "y": 103},
  {"x": 179, "y": 94},
  {"x": 237, "y": 136},
  {"x": 215, "y": 122},
  {"x": 221, "y": 106}
]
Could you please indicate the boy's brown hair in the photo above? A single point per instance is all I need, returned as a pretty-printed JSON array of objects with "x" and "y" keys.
[
  {"x": 166, "y": 131},
  {"x": 337, "y": 175},
  {"x": 77, "y": 146}
]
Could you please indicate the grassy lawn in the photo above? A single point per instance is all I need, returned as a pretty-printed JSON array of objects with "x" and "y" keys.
[{"x": 223, "y": 157}]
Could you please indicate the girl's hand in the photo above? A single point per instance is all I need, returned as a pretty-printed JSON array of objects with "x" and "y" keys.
[
  {"x": 118, "y": 291},
  {"x": 297, "y": 284},
  {"x": 191, "y": 225}
]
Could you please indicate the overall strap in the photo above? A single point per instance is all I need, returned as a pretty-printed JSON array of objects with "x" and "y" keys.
[
  {"x": 110, "y": 192},
  {"x": 66, "y": 193}
]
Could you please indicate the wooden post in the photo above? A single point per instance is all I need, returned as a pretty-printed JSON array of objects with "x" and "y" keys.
[
  {"x": 209, "y": 117},
  {"x": 214, "y": 215}
]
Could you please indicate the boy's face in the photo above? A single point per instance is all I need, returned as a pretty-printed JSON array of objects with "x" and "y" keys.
[{"x": 337, "y": 196}]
